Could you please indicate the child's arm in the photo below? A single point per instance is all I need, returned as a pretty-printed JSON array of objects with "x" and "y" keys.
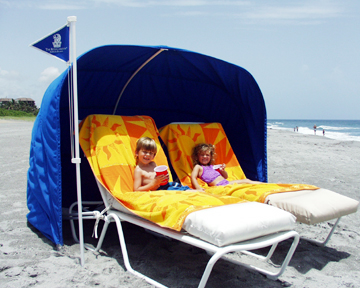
[
  {"x": 223, "y": 172},
  {"x": 153, "y": 185},
  {"x": 194, "y": 175}
]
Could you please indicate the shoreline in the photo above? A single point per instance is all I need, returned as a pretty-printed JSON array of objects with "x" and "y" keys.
[
  {"x": 343, "y": 130},
  {"x": 317, "y": 136},
  {"x": 30, "y": 259}
]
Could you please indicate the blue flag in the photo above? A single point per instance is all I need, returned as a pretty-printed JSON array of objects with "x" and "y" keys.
[{"x": 56, "y": 44}]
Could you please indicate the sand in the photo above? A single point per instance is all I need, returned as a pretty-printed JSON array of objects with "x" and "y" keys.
[{"x": 30, "y": 259}]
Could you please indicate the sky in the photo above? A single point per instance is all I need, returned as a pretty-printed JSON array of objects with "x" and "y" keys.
[{"x": 304, "y": 55}]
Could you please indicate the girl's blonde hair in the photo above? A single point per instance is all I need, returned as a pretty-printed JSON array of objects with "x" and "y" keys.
[
  {"x": 145, "y": 143},
  {"x": 202, "y": 147}
]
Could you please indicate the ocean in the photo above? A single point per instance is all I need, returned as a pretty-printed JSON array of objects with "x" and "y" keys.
[{"x": 344, "y": 130}]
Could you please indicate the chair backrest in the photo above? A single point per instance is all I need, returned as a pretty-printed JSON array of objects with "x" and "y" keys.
[
  {"x": 110, "y": 200},
  {"x": 181, "y": 138},
  {"x": 109, "y": 143}
]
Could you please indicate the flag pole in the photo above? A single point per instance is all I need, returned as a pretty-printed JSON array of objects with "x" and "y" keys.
[{"x": 71, "y": 21}]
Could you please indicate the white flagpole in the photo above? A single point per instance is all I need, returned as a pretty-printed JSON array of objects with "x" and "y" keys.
[{"x": 71, "y": 20}]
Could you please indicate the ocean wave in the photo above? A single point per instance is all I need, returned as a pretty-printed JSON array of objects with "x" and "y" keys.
[
  {"x": 274, "y": 126},
  {"x": 343, "y": 130},
  {"x": 341, "y": 136},
  {"x": 338, "y": 128}
]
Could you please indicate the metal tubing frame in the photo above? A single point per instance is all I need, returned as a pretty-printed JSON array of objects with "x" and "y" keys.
[
  {"x": 87, "y": 215},
  {"x": 133, "y": 75},
  {"x": 218, "y": 252},
  {"x": 323, "y": 243}
]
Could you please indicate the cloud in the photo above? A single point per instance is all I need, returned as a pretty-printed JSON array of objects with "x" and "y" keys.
[
  {"x": 10, "y": 84},
  {"x": 304, "y": 13},
  {"x": 8, "y": 75},
  {"x": 88, "y": 4},
  {"x": 14, "y": 85},
  {"x": 184, "y": 3},
  {"x": 49, "y": 74},
  {"x": 61, "y": 6},
  {"x": 47, "y": 4},
  {"x": 295, "y": 12},
  {"x": 252, "y": 12},
  {"x": 305, "y": 68}
]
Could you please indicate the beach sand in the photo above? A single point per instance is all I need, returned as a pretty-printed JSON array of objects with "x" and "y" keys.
[{"x": 30, "y": 259}]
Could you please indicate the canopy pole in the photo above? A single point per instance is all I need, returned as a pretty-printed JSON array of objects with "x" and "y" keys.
[
  {"x": 71, "y": 20},
  {"x": 133, "y": 75}
]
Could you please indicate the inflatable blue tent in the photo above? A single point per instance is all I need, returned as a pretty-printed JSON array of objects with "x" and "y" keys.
[{"x": 168, "y": 84}]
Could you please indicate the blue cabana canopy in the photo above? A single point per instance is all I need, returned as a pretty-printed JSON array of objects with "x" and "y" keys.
[{"x": 168, "y": 84}]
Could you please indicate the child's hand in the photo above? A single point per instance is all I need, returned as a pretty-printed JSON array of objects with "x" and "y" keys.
[
  {"x": 222, "y": 167},
  {"x": 163, "y": 177},
  {"x": 160, "y": 178},
  {"x": 222, "y": 171}
]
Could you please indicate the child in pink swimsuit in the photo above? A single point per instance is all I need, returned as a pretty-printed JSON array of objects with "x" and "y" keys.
[{"x": 203, "y": 158}]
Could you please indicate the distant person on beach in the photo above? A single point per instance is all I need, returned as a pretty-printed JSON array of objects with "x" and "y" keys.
[
  {"x": 315, "y": 129},
  {"x": 297, "y": 129},
  {"x": 323, "y": 132}
]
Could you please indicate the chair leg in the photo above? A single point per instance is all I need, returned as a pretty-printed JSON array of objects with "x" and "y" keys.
[
  {"x": 124, "y": 251},
  {"x": 86, "y": 215},
  {"x": 265, "y": 258},
  {"x": 271, "y": 251},
  {"x": 287, "y": 259},
  {"x": 323, "y": 243},
  {"x": 209, "y": 268},
  {"x": 72, "y": 225},
  {"x": 102, "y": 235},
  {"x": 219, "y": 253},
  {"x": 269, "y": 274}
]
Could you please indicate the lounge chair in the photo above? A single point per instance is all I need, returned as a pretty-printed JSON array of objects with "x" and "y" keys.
[
  {"x": 217, "y": 224},
  {"x": 310, "y": 206}
]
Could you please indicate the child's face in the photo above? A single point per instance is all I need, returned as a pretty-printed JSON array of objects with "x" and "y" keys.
[
  {"x": 204, "y": 157},
  {"x": 145, "y": 156}
]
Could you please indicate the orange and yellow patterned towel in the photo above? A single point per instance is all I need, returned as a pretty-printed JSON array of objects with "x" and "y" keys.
[
  {"x": 256, "y": 192},
  {"x": 180, "y": 140},
  {"x": 109, "y": 143}
]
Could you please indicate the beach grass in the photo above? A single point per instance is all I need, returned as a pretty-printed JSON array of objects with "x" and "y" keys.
[{"x": 16, "y": 115}]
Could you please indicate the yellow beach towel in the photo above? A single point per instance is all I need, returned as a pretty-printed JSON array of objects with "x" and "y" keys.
[
  {"x": 180, "y": 140},
  {"x": 109, "y": 144}
]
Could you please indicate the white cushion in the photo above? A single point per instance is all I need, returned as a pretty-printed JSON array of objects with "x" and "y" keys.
[
  {"x": 314, "y": 206},
  {"x": 229, "y": 224}
]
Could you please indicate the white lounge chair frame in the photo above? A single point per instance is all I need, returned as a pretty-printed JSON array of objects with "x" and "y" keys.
[
  {"x": 323, "y": 243},
  {"x": 351, "y": 208},
  {"x": 317, "y": 242},
  {"x": 112, "y": 215},
  {"x": 87, "y": 214},
  {"x": 95, "y": 214}
]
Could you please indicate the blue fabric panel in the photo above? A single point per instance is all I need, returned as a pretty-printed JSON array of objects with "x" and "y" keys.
[
  {"x": 176, "y": 86},
  {"x": 44, "y": 191}
]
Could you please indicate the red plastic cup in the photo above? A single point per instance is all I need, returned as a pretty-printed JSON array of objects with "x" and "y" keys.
[
  {"x": 162, "y": 170},
  {"x": 217, "y": 167}
]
